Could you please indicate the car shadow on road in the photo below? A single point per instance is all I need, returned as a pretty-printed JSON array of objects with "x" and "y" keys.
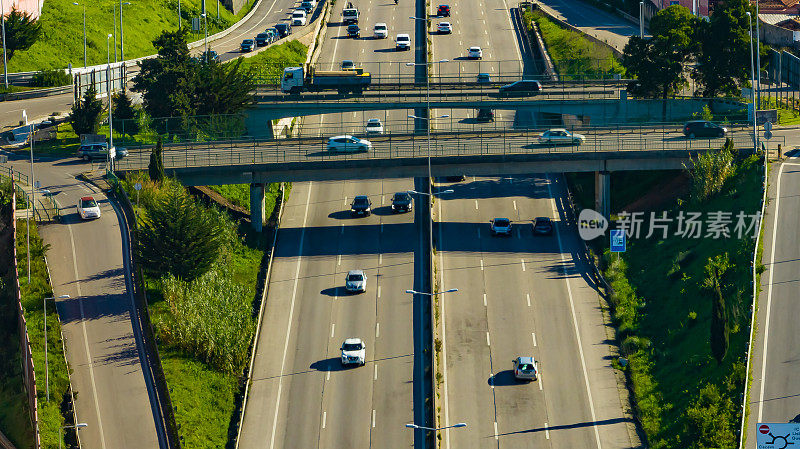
[
  {"x": 334, "y": 292},
  {"x": 342, "y": 215},
  {"x": 385, "y": 50},
  {"x": 331, "y": 364},
  {"x": 504, "y": 379},
  {"x": 384, "y": 211}
]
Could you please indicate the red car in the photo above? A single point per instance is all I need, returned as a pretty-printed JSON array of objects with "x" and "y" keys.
[{"x": 443, "y": 11}]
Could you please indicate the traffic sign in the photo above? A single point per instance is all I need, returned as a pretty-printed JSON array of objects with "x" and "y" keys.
[
  {"x": 777, "y": 435},
  {"x": 768, "y": 126},
  {"x": 618, "y": 241},
  {"x": 137, "y": 186},
  {"x": 768, "y": 134}
]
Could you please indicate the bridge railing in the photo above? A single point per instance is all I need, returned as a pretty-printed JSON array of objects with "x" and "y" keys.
[{"x": 253, "y": 152}]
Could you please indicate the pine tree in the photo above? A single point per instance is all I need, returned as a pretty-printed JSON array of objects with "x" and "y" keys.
[
  {"x": 156, "y": 167},
  {"x": 125, "y": 114},
  {"x": 85, "y": 115},
  {"x": 22, "y": 31}
]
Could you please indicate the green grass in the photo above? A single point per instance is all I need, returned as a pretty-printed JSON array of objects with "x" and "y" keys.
[
  {"x": 788, "y": 114},
  {"x": 239, "y": 194},
  {"x": 571, "y": 52},
  {"x": 668, "y": 375},
  {"x": 62, "y": 37},
  {"x": 11, "y": 88},
  {"x": 50, "y": 418},
  {"x": 268, "y": 65}
]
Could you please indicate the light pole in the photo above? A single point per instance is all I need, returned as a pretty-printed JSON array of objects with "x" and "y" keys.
[
  {"x": 121, "y": 33},
  {"x": 179, "y": 15},
  {"x": 758, "y": 59},
  {"x": 752, "y": 83},
  {"x": 414, "y": 192},
  {"x": 108, "y": 90},
  {"x": 414, "y": 426},
  {"x": 46, "y": 366},
  {"x": 414, "y": 292},
  {"x": 84, "y": 32},
  {"x": 115, "y": 33},
  {"x": 205, "y": 26},
  {"x": 641, "y": 20},
  {"x": 74, "y": 426},
  {"x": 32, "y": 209},
  {"x": 5, "y": 63}
]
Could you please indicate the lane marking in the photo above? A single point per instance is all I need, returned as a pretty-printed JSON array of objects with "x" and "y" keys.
[
  {"x": 86, "y": 338},
  {"x": 381, "y": 227},
  {"x": 380, "y": 256},
  {"x": 769, "y": 295},
  {"x": 291, "y": 315},
  {"x": 339, "y": 260},
  {"x": 528, "y": 296},
  {"x": 533, "y": 334},
  {"x": 488, "y": 343},
  {"x": 333, "y": 326},
  {"x": 496, "y": 436},
  {"x": 519, "y": 233},
  {"x": 342, "y": 230},
  {"x": 373, "y": 417},
  {"x": 574, "y": 319},
  {"x": 515, "y": 204},
  {"x": 540, "y": 383},
  {"x": 379, "y": 291},
  {"x": 377, "y": 330},
  {"x": 479, "y": 232},
  {"x": 324, "y": 417},
  {"x": 476, "y": 204},
  {"x": 484, "y": 299},
  {"x": 481, "y": 264},
  {"x": 546, "y": 431},
  {"x": 328, "y": 376},
  {"x": 375, "y": 376},
  {"x": 523, "y": 264}
]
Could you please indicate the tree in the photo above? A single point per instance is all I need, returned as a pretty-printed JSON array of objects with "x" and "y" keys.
[
  {"x": 85, "y": 115},
  {"x": 720, "y": 329},
  {"x": 723, "y": 63},
  {"x": 156, "y": 167},
  {"x": 711, "y": 420},
  {"x": 164, "y": 80},
  {"x": 222, "y": 88},
  {"x": 658, "y": 62},
  {"x": 21, "y": 31},
  {"x": 179, "y": 236},
  {"x": 124, "y": 113}
]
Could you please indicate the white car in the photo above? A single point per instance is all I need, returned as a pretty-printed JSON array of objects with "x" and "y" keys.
[
  {"x": 356, "y": 281},
  {"x": 374, "y": 126},
  {"x": 444, "y": 28},
  {"x": 88, "y": 208},
  {"x": 354, "y": 352},
  {"x": 525, "y": 368},
  {"x": 560, "y": 136},
  {"x": 474, "y": 53},
  {"x": 299, "y": 17},
  {"x": 403, "y": 42},
  {"x": 348, "y": 144},
  {"x": 381, "y": 31},
  {"x": 501, "y": 226}
]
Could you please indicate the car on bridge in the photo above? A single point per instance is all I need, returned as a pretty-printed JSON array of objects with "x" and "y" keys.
[
  {"x": 308, "y": 6},
  {"x": 361, "y": 205},
  {"x": 401, "y": 202},
  {"x": 520, "y": 88},
  {"x": 381, "y": 31},
  {"x": 88, "y": 208},
  {"x": 247, "y": 45},
  {"x": 703, "y": 128},
  {"x": 484, "y": 115},
  {"x": 354, "y": 352},
  {"x": 355, "y": 281},
  {"x": 501, "y": 226},
  {"x": 348, "y": 144},
  {"x": 374, "y": 126},
  {"x": 263, "y": 39},
  {"x": 560, "y": 136}
]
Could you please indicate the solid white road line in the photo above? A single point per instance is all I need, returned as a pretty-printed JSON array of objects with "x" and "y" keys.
[
  {"x": 86, "y": 338},
  {"x": 769, "y": 295},
  {"x": 574, "y": 319},
  {"x": 291, "y": 315},
  {"x": 444, "y": 337},
  {"x": 528, "y": 297}
]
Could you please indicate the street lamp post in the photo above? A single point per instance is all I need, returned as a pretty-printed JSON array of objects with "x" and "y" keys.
[
  {"x": 752, "y": 83},
  {"x": 115, "y": 33},
  {"x": 108, "y": 91},
  {"x": 5, "y": 63},
  {"x": 74, "y": 426},
  {"x": 758, "y": 59},
  {"x": 205, "y": 26},
  {"x": 641, "y": 20},
  {"x": 84, "y": 32},
  {"x": 121, "y": 33},
  {"x": 414, "y": 192},
  {"x": 32, "y": 209},
  {"x": 179, "y": 16},
  {"x": 414, "y": 426},
  {"x": 46, "y": 366}
]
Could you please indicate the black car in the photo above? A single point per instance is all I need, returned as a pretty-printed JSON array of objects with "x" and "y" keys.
[
  {"x": 401, "y": 202},
  {"x": 520, "y": 88},
  {"x": 542, "y": 226},
  {"x": 353, "y": 30},
  {"x": 263, "y": 39},
  {"x": 485, "y": 115},
  {"x": 443, "y": 11},
  {"x": 284, "y": 29},
  {"x": 361, "y": 205},
  {"x": 702, "y": 128},
  {"x": 247, "y": 45}
]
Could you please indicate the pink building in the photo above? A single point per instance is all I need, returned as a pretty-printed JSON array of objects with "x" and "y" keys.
[
  {"x": 32, "y": 7},
  {"x": 699, "y": 7}
]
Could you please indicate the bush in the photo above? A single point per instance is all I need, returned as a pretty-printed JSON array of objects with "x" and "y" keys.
[
  {"x": 51, "y": 78},
  {"x": 709, "y": 172},
  {"x": 711, "y": 420}
]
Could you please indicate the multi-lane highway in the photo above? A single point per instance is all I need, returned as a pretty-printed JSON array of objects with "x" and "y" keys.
[{"x": 300, "y": 395}]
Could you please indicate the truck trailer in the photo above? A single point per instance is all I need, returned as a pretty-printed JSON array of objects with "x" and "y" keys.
[{"x": 307, "y": 79}]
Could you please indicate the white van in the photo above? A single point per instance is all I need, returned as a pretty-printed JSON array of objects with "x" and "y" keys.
[{"x": 299, "y": 17}]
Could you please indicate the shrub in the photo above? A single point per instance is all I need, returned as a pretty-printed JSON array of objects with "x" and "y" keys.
[
  {"x": 51, "y": 78},
  {"x": 709, "y": 172},
  {"x": 711, "y": 420}
]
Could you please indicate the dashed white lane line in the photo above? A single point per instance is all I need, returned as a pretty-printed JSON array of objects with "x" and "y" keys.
[
  {"x": 379, "y": 291},
  {"x": 546, "y": 431},
  {"x": 339, "y": 260},
  {"x": 375, "y": 376},
  {"x": 328, "y": 376},
  {"x": 324, "y": 418},
  {"x": 373, "y": 417},
  {"x": 484, "y": 299},
  {"x": 342, "y": 232},
  {"x": 539, "y": 381},
  {"x": 476, "y": 204},
  {"x": 380, "y": 256},
  {"x": 496, "y": 436},
  {"x": 533, "y": 335},
  {"x": 515, "y": 204},
  {"x": 381, "y": 227},
  {"x": 377, "y": 330},
  {"x": 481, "y": 264},
  {"x": 523, "y": 264},
  {"x": 528, "y": 297},
  {"x": 488, "y": 343},
  {"x": 333, "y": 326}
]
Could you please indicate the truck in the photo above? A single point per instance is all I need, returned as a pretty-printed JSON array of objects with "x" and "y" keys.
[
  {"x": 307, "y": 79},
  {"x": 350, "y": 14}
]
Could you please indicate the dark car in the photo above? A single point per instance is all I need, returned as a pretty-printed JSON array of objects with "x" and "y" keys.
[
  {"x": 361, "y": 205},
  {"x": 520, "y": 88},
  {"x": 284, "y": 29},
  {"x": 443, "y": 11},
  {"x": 485, "y": 115},
  {"x": 353, "y": 30},
  {"x": 307, "y": 6},
  {"x": 401, "y": 202},
  {"x": 274, "y": 34},
  {"x": 484, "y": 78},
  {"x": 247, "y": 45},
  {"x": 702, "y": 128},
  {"x": 542, "y": 226},
  {"x": 263, "y": 39}
]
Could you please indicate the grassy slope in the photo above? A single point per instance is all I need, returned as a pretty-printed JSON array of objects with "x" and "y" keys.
[
  {"x": 239, "y": 194},
  {"x": 682, "y": 362},
  {"x": 62, "y": 37},
  {"x": 32, "y": 295}
]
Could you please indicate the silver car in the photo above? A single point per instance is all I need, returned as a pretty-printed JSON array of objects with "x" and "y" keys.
[
  {"x": 356, "y": 281},
  {"x": 501, "y": 226},
  {"x": 560, "y": 136},
  {"x": 347, "y": 143},
  {"x": 525, "y": 368}
]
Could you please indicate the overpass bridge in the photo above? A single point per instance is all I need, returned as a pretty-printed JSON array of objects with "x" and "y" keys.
[{"x": 258, "y": 162}]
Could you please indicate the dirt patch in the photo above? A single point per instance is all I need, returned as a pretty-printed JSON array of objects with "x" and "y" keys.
[{"x": 661, "y": 196}]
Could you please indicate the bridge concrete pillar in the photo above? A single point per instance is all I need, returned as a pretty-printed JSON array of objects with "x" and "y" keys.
[
  {"x": 602, "y": 193},
  {"x": 420, "y": 125},
  {"x": 257, "y": 216}
]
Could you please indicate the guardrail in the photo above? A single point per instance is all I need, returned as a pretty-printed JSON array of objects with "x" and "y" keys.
[{"x": 36, "y": 93}]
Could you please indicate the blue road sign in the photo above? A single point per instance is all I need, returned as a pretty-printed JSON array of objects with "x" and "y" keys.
[{"x": 618, "y": 241}]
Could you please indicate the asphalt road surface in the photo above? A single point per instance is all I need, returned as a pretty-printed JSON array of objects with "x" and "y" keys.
[
  {"x": 521, "y": 295},
  {"x": 775, "y": 392},
  {"x": 609, "y": 28},
  {"x": 300, "y": 395},
  {"x": 86, "y": 262}
]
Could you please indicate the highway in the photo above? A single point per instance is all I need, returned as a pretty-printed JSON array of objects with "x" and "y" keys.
[
  {"x": 774, "y": 393},
  {"x": 605, "y": 26},
  {"x": 300, "y": 395},
  {"x": 112, "y": 394}
]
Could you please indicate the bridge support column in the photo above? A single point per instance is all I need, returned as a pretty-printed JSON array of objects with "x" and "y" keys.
[
  {"x": 602, "y": 193},
  {"x": 257, "y": 216},
  {"x": 421, "y": 125}
]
